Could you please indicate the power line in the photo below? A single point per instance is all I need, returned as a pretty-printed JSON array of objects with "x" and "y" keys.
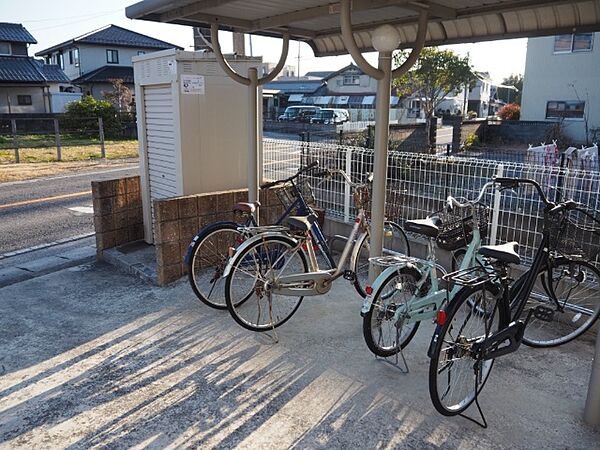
[
  {"x": 74, "y": 21},
  {"x": 74, "y": 17}
]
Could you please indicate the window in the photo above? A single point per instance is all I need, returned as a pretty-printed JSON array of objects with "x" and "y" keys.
[
  {"x": 23, "y": 100},
  {"x": 76, "y": 57},
  {"x": 565, "y": 110},
  {"x": 351, "y": 80},
  {"x": 141, "y": 52},
  {"x": 573, "y": 43},
  {"x": 71, "y": 57},
  {"x": 112, "y": 56},
  {"x": 61, "y": 61},
  {"x": 5, "y": 48}
]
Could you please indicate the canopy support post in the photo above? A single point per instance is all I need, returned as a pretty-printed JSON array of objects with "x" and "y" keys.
[
  {"x": 382, "y": 129},
  {"x": 383, "y": 74},
  {"x": 253, "y": 83},
  {"x": 591, "y": 414}
]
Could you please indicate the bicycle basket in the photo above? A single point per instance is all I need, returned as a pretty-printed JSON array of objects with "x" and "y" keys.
[
  {"x": 456, "y": 230},
  {"x": 574, "y": 234},
  {"x": 287, "y": 193}
]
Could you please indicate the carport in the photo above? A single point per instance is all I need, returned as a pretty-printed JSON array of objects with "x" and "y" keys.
[{"x": 334, "y": 28}]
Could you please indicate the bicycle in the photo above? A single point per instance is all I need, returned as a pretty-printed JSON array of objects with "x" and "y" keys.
[
  {"x": 408, "y": 291},
  {"x": 270, "y": 273},
  {"x": 208, "y": 252},
  {"x": 475, "y": 327}
]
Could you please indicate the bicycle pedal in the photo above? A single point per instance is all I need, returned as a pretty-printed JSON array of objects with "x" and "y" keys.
[
  {"x": 543, "y": 313},
  {"x": 349, "y": 275}
]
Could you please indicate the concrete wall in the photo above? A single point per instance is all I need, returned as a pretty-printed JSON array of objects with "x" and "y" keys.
[
  {"x": 561, "y": 77},
  {"x": 38, "y": 102},
  {"x": 367, "y": 84}
]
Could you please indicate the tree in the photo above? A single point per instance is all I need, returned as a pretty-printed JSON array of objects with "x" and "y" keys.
[
  {"x": 509, "y": 95},
  {"x": 120, "y": 97},
  {"x": 436, "y": 75}
]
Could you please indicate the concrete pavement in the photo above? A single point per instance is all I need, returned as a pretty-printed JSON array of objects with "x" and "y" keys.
[{"x": 90, "y": 358}]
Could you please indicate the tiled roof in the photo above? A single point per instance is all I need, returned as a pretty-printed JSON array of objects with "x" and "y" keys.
[
  {"x": 15, "y": 32},
  {"x": 52, "y": 72},
  {"x": 115, "y": 36},
  {"x": 29, "y": 70},
  {"x": 105, "y": 74},
  {"x": 295, "y": 87},
  {"x": 318, "y": 73}
]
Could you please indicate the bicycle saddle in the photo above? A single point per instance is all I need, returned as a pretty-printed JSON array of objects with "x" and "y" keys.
[
  {"x": 246, "y": 207},
  {"x": 505, "y": 252},
  {"x": 301, "y": 222},
  {"x": 427, "y": 227}
]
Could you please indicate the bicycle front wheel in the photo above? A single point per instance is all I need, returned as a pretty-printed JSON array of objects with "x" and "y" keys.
[
  {"x": 208, "y": 257},
  {"x": 384, "y": 334},
  {"x": 566, "y": 292},
  {"x": 251, "y": 286},
  {"x": 394, "y": 243},
  {"x": 456, "y": 376}
]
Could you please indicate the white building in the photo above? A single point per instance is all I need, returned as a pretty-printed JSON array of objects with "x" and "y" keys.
[{"x": 562, "y": 83}]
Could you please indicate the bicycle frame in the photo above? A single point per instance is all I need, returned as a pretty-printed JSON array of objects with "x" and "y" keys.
[
  {"x": 319, "y": 281},
  {"x": 418, "y": 308}
]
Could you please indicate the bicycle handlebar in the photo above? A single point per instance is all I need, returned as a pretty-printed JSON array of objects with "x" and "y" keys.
[
  {"x": 515, "y": 182},
  {"x": 302, "y": 170},
  {"x": 452, "y": 202}
]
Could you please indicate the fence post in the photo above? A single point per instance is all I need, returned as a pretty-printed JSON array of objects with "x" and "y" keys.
[
  {"x": 496, "y": 211},
  {"x": 591, "y": 413},
  {"x": 347, "y": 193},
  {"x": 101, "y": 133},
  {"x": 57, "y": 138},
  {"x": 561, "y": 178},
  {"x": 341, "y": 137},
  {"x": 13, "y": 126}
]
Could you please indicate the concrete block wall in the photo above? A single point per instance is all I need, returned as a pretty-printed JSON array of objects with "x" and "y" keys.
[
  {"x": 177, "y": 220},
  {"x": 117, "y": 212}
]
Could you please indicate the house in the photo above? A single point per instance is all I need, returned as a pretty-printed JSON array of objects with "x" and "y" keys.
[
  {"x": 561, "y": 84},
  {"x": 26, "y": 84},
  {"x": 288, "y": 71},
  {"x": 92, "y": 60},
  {"x": 348, "y": 88},
  {"x": 482, "y": 98}
]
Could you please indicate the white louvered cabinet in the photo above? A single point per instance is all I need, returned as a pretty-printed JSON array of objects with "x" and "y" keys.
[{"x": 193, "y": 136}]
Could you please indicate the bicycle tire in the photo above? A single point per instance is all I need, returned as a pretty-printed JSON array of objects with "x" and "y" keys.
[
  {"x": 361, "y": 265},
  {"x": 463, "y": 297},
  {"x": 546, "y": 295},
  {"x": 203, "y": 291},
  {"x": 386, "y": 311},
  {"x": 235, "y": 305}
]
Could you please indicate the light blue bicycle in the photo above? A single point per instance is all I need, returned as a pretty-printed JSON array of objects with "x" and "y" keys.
[{"x": 408, "y": 290}]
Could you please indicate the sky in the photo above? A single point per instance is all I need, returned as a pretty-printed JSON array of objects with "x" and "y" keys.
[{"x": 55, "y": 21}]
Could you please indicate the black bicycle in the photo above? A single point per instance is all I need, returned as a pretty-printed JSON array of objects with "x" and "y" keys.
[{"x": 489, "y": 316}]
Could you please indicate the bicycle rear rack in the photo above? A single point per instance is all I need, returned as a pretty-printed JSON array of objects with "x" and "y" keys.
[
  {"x": 395, "y": 260},
  {"x": 263, "y": 229},
  {"x": 472, "y": 277}
]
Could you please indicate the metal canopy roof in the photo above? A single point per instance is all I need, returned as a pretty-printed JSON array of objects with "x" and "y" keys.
[{"x": 317, "y": 22}]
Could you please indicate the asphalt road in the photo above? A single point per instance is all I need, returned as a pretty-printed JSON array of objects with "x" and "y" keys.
[{"x": 45, "y": 210}]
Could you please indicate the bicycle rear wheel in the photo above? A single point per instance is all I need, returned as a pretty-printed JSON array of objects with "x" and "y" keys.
[
  {"x": 250, "y": 290},
  {"x": 567, "y": 292},
  {"x": 455, "y": 376},
  {"x": 384, "y": 335},
  {"x": 394, "y": 242},
  {"x": 206, "y": 260}
]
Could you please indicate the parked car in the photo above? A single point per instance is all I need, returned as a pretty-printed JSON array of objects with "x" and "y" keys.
[
  {"x": 330, "y": 116},
  {"x": 299, "y": 113}
]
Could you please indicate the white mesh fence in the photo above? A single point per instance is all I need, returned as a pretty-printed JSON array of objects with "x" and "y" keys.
[{"x": 418, "y": 184}]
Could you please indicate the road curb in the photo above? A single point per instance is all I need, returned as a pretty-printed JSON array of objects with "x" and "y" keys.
[{"x": 46, "y": 245}]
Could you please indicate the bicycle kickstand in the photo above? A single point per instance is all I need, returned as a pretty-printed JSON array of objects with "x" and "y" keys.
[{"x": 396, "y": 364}]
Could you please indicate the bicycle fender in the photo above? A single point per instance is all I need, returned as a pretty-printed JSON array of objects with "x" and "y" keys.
[
  {"x": 251, "y": 241},
  {"x": 368, "y": 301},
  {"x": 434, "y": 339},
  {"x": 203, "y": 231}
]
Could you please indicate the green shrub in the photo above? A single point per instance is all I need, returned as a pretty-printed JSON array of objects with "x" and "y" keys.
[{"x": 81, "y": 117}]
